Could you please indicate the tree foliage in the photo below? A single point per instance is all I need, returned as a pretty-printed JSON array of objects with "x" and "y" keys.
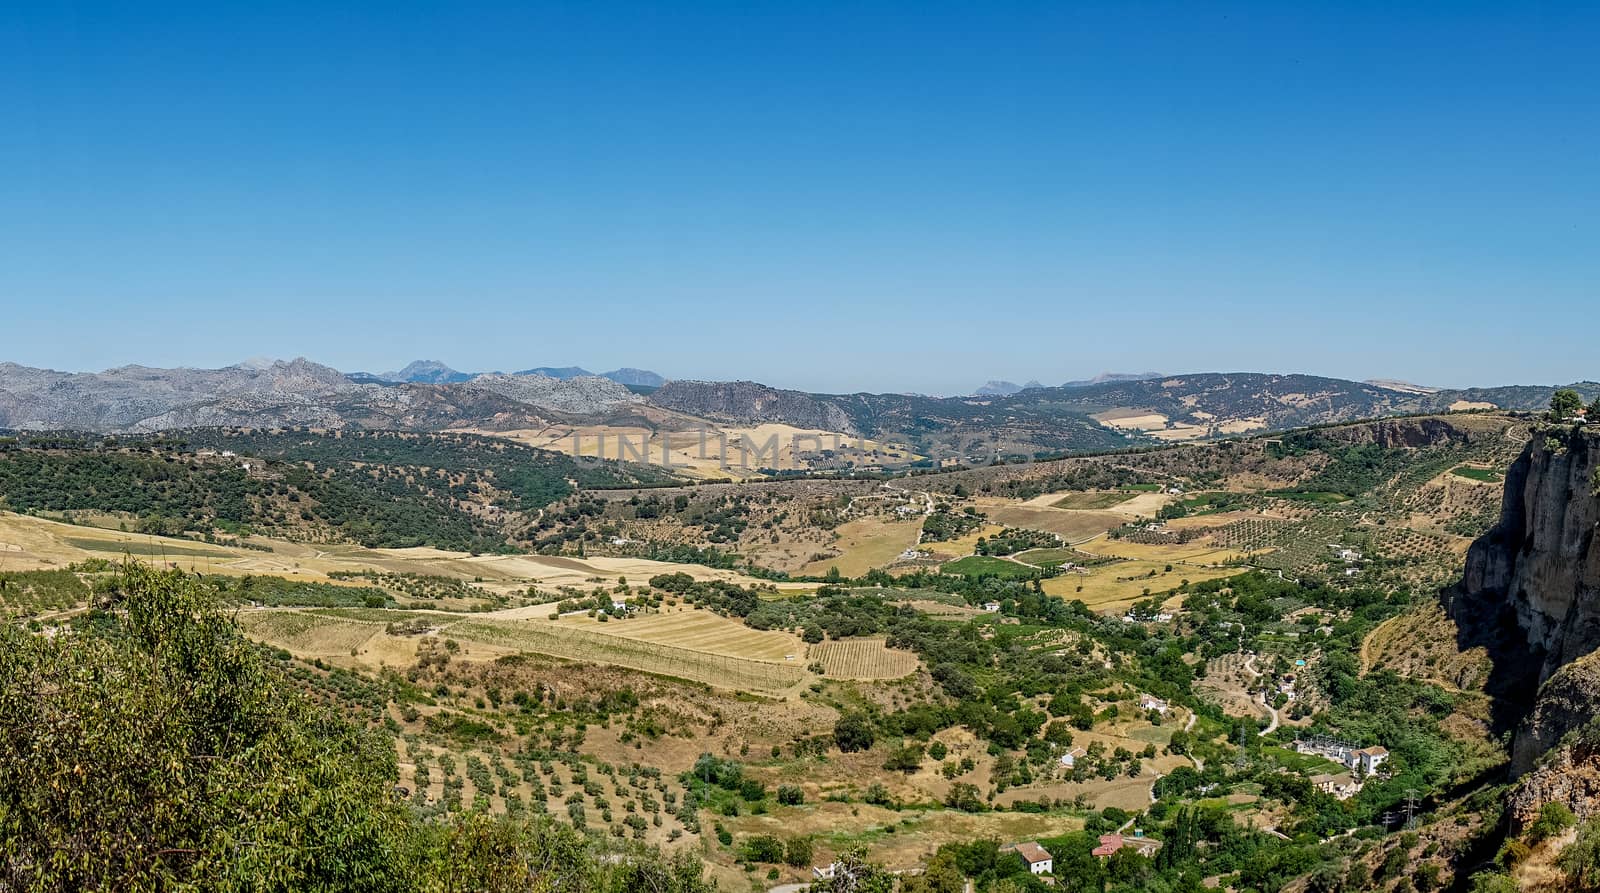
[
  {"x": 151, "y": 746},
  {"x": 1565, "y": 404}
]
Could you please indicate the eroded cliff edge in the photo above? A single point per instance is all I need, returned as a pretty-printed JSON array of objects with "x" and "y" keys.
[{"x": 1532, "y": 586}]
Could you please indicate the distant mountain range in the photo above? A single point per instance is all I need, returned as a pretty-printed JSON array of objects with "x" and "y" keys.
[
  {"x": 435, "y": 372},
  {"x": 998, "y": 388},
  {"x": 1119, "y": 410},
  {"x": 1108, "y": 377},
  {"x": 426, "y": 372},
  {"x": 994, "y": 388}
]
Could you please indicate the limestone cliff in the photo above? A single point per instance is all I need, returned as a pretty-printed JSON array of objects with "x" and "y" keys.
[
  {"x": 1539, "y": 569},
  {"x": 1541, "y": 558},
  {"x": 1566, "y": 703}
]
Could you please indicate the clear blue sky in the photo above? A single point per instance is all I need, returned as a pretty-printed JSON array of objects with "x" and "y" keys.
[{"x": 883, "y": 196}]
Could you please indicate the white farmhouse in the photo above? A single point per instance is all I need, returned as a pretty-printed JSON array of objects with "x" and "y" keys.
[{"x": 1038, "y": 859}]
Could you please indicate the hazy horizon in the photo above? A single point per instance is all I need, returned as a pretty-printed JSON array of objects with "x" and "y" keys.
[{"x": 867, "y": 386}]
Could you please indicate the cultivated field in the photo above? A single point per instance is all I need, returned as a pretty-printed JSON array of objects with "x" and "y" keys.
[
  {"x": 571, "y": 643},
  {"x": 684, "y": 627},
  {"x": 30, "y": 543},
  {"x": 1185, "y": 553},
  {"x": 1091, "y": 500},
  {"x": 1072, "y": 526},
  {"x": 693, "y": 645},
  {"x": 307, "y": 634},
  {"x": 864, "y": 658}
]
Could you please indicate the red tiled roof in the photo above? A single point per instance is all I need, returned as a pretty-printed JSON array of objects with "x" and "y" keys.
[{"x": 1032, "y": 853}]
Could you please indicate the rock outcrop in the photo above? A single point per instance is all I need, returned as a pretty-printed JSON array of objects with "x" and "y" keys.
[
  {"x": 1537, "y": 574},
  {"x": 1541, "y": 558},
  {"x": 582, "y": 395},
  {"x": 1566, "y": 702},
  {"x": 1417, "y": 432}
]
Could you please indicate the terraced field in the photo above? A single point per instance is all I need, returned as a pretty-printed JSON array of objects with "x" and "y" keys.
[
  {"x": 720, "y": 670},
  {"x": 865, "y": 658}
]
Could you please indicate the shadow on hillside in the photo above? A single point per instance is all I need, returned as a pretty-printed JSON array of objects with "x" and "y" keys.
[{"x": 1486, "y": 620}]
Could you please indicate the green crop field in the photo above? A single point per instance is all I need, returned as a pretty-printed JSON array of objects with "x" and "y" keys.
[
  {"x": 1059, "y": 556},
  {"x": 144, "y": 549},
  {"x": 1486, "y": 475}
]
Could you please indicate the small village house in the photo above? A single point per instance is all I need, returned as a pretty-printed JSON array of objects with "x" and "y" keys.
[
  {"x": 1036, "y": 857},
  {"x": 1110, "y": 843},
  {"x": 1368, "y": 759}
]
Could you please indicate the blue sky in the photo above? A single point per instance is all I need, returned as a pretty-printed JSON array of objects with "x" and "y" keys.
[{"x": 850, "y": 196}]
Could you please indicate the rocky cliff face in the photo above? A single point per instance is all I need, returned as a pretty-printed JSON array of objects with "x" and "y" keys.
[
  {"x": 583, "y": 395},
  {"x": 1541, "y": 559},
  {"x": 1539, "y": 568},
  {"x": 1414, "y": 433},
  {"x": 1566, "y": 702}
]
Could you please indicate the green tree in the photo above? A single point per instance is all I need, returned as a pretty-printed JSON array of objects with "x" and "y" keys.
[
  {"x": 1581, "y": 859},
  {"x": 797, "y": 853},
  {"x": 941, "y": 876},
  {"x": 1554, "y": 817},
  {"x": 762, "y": 848},
  {"x": 1565, "y": 404},
  {"x": 153, "y": 747},
  {"x": 905, "y": 759},
  {"x": 154, "y": 750},
  {"x": 853, "y": 732}
]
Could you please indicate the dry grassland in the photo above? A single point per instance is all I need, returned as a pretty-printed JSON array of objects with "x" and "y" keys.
[
  {"x": 1119, "y": 585},
  {"x": 866, "y": 543},
  {"x": 964, "y": 545}
]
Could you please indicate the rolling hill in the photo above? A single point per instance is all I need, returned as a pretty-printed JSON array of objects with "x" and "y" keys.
[{"x": 1116, "y": 411}]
